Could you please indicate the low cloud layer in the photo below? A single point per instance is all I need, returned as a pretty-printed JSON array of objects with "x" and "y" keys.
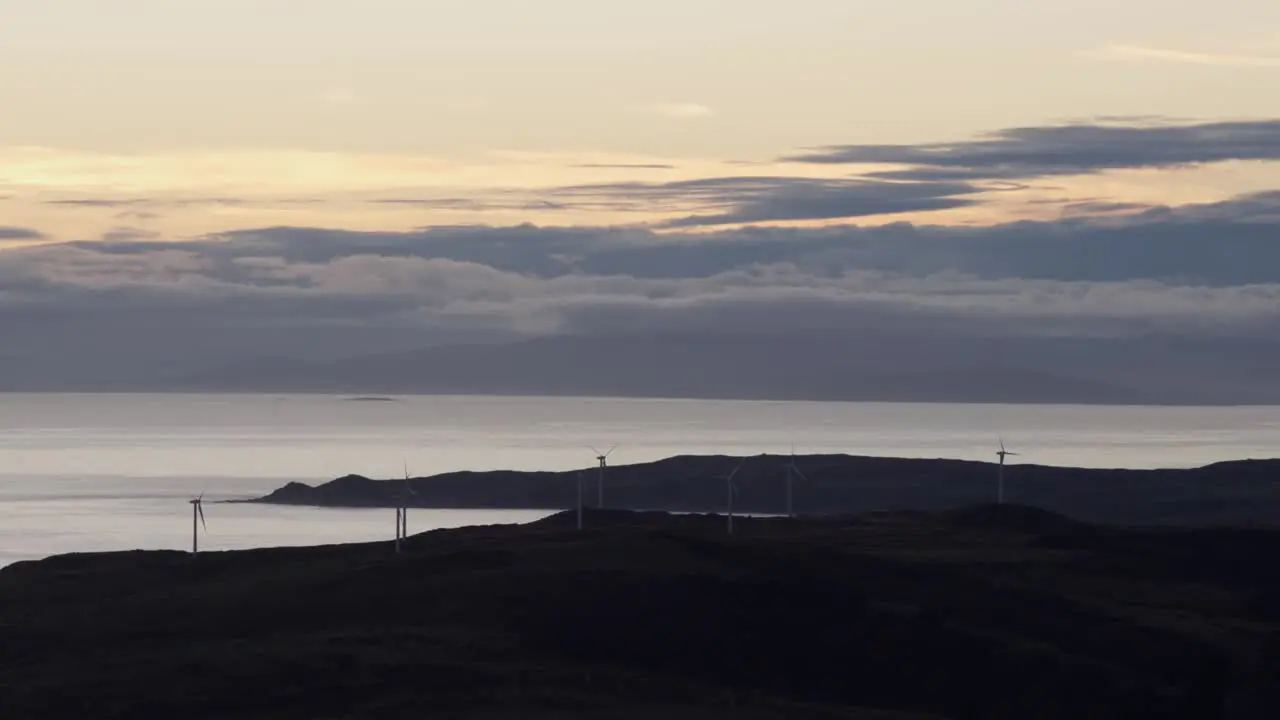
[
  {"x": 1114, "y": 291},
  {"x": 1078, "y": 149},
  {"x": 1206, "y": 274},
  {"x": 753, "y": 199},
  {"x": 1137, "y": 53},
  {"x": 19, "y": 233},
  {"x": 1001, "y": 174}
]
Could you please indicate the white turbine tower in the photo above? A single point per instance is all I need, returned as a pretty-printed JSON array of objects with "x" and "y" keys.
[
  {"x": 399, "y": 525},
  {"x": 197, "y": 513},
  {"x": 602, "y": 458},
  {"x": 730, "y": 491},
  {"x": 404, "y": 504},
  {"x": 1000, "y": 473},
  {"x": 579, "y": 499},
  {"x": 792, "y": 472}
]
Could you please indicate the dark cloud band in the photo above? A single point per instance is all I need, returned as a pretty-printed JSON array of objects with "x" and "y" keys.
[
  {"x": 1077, "y": 149},
  {"x": 19, "y": 233}
]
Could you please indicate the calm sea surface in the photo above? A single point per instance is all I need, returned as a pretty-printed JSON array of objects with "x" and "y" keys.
[{"x": 113, "y": 472}]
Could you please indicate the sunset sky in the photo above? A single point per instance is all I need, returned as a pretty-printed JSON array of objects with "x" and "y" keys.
[
  {"x": 185, "y": 183},
  {"x": 176, "y": 118}
]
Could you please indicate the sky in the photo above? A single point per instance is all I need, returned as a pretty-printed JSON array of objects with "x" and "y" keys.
[{"x": 193, "y": 149}]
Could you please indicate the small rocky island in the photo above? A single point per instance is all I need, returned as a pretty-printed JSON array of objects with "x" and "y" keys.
[{"x": 1239, "y": 493}]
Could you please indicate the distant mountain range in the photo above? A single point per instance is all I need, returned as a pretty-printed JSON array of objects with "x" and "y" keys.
[
  {"x": 888, "y": 366},
  {"x": 763, "y": 368}
]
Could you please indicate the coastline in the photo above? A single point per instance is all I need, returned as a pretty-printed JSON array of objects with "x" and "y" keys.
[
  {"x": 1239, "y": 493},
  {"x": 355, "y": 393}
]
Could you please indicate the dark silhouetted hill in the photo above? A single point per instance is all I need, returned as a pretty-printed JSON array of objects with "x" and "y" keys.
[
  {"x": 990, "y": 613},
  {"x": 1230, "y": 493}
]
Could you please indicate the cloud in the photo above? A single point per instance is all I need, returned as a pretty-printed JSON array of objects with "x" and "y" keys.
[
  {"x": 19, "y": 233},
  {"x": 513, "y": 200},
  {"x": 125, "y": 234},
  {"x": 1076, "y": 149},
  {"x": 159, "y": 202},
  {"x": 97, "y": 202},
  {"x": 750, "y": 199},
  {"x": 1216, "y": 244},
  {"x": 965, "y": 180},
  {"x": 625, "y": 166},
  {"x": 136, "y": 304},
  {"x": 1135, "y": 53},
  {"x": 1093, "y": 208},
  {"x": 447, "y": 203},
  {"x": 680, "y": 111},
  {"x": 386, "y": 289},
  {"x": 1220, "y": 245}
]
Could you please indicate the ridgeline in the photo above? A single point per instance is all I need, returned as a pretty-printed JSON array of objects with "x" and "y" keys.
[
  {"x": 984, "y": 613},
  {"x": 1240, "y": 493}
]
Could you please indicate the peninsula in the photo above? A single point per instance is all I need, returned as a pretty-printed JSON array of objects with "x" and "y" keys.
[{"x": 1239, "y": 493}]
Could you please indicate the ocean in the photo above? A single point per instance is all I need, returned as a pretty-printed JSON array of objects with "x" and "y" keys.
[{"x": 84, "y": 473}]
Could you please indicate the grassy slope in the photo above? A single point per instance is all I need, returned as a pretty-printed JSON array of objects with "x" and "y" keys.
[{"x": 991, "y": 613}]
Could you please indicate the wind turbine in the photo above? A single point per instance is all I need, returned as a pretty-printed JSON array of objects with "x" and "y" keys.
[
  {"x": 197, "y": 513},
  {"x": 404, "y": 509},
  {"x": 579, "y": 499},
  {"x": 731, "y": 490},
  {"x": 399, "y": 525},
  {"x": 792, "y": 471},
  {"x": 1000, "y": 487},
  {"x": 602, "y": 458}
]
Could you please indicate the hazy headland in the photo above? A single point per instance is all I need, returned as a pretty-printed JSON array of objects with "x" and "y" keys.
[{"x": 1239, "y": 493}]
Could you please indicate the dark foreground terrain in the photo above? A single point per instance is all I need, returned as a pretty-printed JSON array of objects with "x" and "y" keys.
[
  {"x": 1240, "y": 493},
  {"x": 987, "y": 613}
]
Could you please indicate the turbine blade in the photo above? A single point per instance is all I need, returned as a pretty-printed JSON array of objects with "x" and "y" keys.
[
  {"x": 736, "y": 469},
  {"x": 593, "y": 449},
  {"x": 1001, "y": 444},
  {"x": 200, "y": 509},
  {"x": 797, "y": 472}
]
